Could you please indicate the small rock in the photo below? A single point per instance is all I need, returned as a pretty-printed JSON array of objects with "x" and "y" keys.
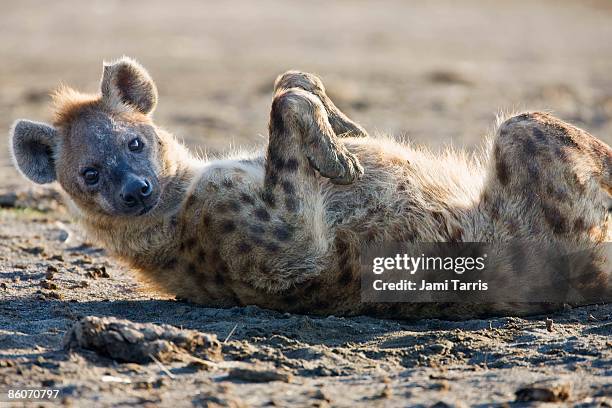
[
  {"x": 258, "y": 376},
  {"x": 8, "y": 200},
  {"x": 320, "y": 395},
  {"x": 54, "y": 295},
  {"x": 58, "y": 258},
  {"x": 45, "y": 284},
  {"x": 544, "y": 391},
  {"x": 549, "y": 324},
  {"x": 3, "y": 286},
  {"x": 96, "y": 272},
  {"x": 7, "y": 363}
]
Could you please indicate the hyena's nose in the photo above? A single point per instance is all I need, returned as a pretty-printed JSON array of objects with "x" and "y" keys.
[{"x": 135, "y": 191}]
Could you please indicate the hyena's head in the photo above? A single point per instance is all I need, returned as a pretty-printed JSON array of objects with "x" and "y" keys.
[{"x": 103, "y": 149}]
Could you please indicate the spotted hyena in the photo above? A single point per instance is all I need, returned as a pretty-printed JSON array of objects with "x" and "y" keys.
[{"x": 283, "y": 228}]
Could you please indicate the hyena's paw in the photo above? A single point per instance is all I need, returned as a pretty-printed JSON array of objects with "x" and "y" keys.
[
  {"x": 298, "y": 119},
  {"x": 342, "y": 125},
  {"x": 337, "y": 164}
]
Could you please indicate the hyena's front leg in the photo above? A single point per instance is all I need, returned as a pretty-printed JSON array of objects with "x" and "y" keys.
[
  {"x": 340, "y": 123},
  {"x": 297, "y": 237}
]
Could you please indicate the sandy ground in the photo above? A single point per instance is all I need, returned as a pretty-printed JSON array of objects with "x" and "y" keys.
[{"x": 434, "y": 73}]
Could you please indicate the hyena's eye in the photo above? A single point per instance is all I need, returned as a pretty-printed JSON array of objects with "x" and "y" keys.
[
  {"x": 91, "y": 176},
  {"x": 135, "y": 145}
]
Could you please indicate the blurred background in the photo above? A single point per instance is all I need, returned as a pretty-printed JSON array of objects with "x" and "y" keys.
[{"x": 435, "y": 72}]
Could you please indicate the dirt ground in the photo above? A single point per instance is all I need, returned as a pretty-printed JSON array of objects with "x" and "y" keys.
[{"x": 434, "y": 72}]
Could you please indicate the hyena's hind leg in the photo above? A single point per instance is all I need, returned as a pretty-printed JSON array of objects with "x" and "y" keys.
[
  {"x": 548, "y": 179},
  {"x": 546, "y": 196},
  {"x": 301, "y": 136},
  {"x": 292, "y": 220},
  {"x": 340, "y": 123}
]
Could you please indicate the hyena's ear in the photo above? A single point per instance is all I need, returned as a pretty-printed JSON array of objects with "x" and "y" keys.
[
  {"x": 126, "y": 81},
  {"x": 32, "y": 145}
]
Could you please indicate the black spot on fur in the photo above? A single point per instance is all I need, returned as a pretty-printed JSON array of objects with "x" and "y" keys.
[
  {"x": 257, "y": 240},
  {"x": 271, "y": 247},
  {"x": 228, "y": 226},
  {"x": 233, "y": 205},
  {"x": 503, "y": 173},
  {"x": 288, "y": 187},
  {"x": 202, "y": 255},
  {"x": 529, "y": 147},
  {"x": 268, "y": 198},
  {"x": 278, "y": 163},
  {"x": 539, "y": 135},
  {"x": 264, "y": 269},
  {"x": 292, "y": 164},
  {"x": 189, "y": 243},
  {"x": 277, "y": 122},
  {"x": 227, "y": 183},
  {"x": 291, "y": 204},
  {"x": 271, "y": 178},
  {"x": 283, "y": 232},
  {"x": 557, "y": 193},
  {"x": 247, "y": 199},
  {"x": 244, "y": 247},
  {"x": 262, "y": 214},
  {"x": 257, "y": 229},
  {"x": 555, "y": 220}
]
